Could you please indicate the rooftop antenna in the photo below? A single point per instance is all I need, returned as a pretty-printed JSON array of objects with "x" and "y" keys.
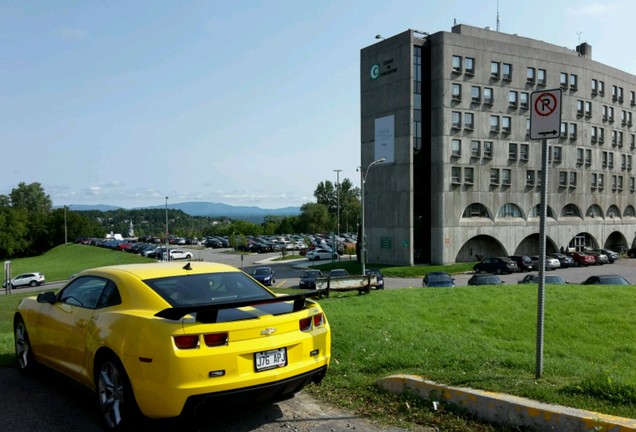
[
  {"x": 498, "y": 20},
  {"x": 579, "y": 35}
]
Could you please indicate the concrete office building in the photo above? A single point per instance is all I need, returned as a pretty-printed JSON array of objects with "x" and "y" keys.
[{"x": 450, "y": 113}]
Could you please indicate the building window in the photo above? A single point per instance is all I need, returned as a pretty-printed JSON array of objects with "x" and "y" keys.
[
  {"x": 601, "y": 181},
  {"x": 457, "y": 64},
  {"x": 494, "y": 176},
  {"x": 456, "y": 91},
  {"x": 623, "y": 162},
  {"x": 588, "y": 109},
  {"x": 558, "y": 154},
  {"x": 594, "y": 134},
  {"x": 579, "y": 156},
  {"x": 488, "y": 149},
  {"x": 469, "y": 175},
  {"x": 475, "y": 210},
  {"x": 610, "y": 114},
  {"x": 632, "y": 188},
  {"x": 564, "y": 130},
  {"x": 601, "y": 88},
  {"x": 573, "y": 130},
  {"x": 488, "y": 96},
  {"x": 494, "y": 123},
  {"x": 456, "y": 175},
  {"x": 494, "y": 69},
  {"x": 601, "y": 135},
  {"x": 563, "y": 178},
  {"x": 620, "y": 139},
  {"x": 594, "y": 182},
  {"x": 456, "y": 120},
  {"x": 506, "y": 176},
  {"x": 629, "y": 162},
  {"x": 632, "y": 142},
  {"x": 572, "y": 178},
  {"x": 469, "y": 120},
  {"x": 456, "y": 147},
  {"x": 512, "y": 151},
  {"x": 620, "y": 94},
  {"x": 564, "y": 80},
  {"x": 594, "y": 86},
  {"x": 475, "y": 94},
  {"x": 524, "y": 152},
  {"x": 530, "y": 177},
  {"x": 624, "y": 117},
  {"x": 469, "y": 65},
  {"x": 528, "y": 126},
  {"x": 507, "y": 71},
  {"x": 524, "y": 100},
  {"x": 475, "y": 148},
  {"x": 579, "y": 107},
  {"x": 506, "y": 124},
  {"x": 574, "y": 81},
  {"x": 604, "y": 158},
  {"x": 512, "y": 98},
  {"x": 588, "y": 157},
  {"x": 610, "y": 160},
  {"x": 541, "y": 77},
  {"x": 632, "y": 98},
  {"x": 614, "y": 140},
  {"x": 530, "y": 75},
  {"x": 629, "y": 118}
]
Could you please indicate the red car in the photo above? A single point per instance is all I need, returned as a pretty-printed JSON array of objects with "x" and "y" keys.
[{"x": 582, "y": 259}]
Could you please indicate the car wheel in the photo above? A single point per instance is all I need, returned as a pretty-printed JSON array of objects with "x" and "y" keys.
[
  {"x": 188, "y": 256},
  {"x": 33, "y": 283},
  {"x": 478, "y": 270},
  {"x": 23, "y": 353},
  {"x": 115, "y": 396},
  {"x": 499, "y": 271},
  {"x": 317, "y": 258}
]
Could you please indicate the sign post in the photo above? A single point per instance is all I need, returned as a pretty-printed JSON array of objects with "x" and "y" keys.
[{"x": 545, "y": 122}]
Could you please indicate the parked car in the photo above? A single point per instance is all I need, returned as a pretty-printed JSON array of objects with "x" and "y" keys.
[
  {"x": 379, "y": 277},
  {"x": 318, "y": 254},
  {"x": 551, "y": 263},
  {"x": 631, "y": 253},
  {"x": 264, "y": 275},
  {"x": 497, "y": 265},
  {"x": 438, "y": 279},
  {"x": 484, "y": 279},
  {"x": 523, "y": 262},
  {"x": 338, "y": 273},
  {"x": 308, "y": 279},
  {"x": 599, "y": 257},
  {"x": 176, "y": 254},
  {"x": 564, "y": 260},
  {"x": 605, "y": 280},
  {"x": 582, "y": 259},
  {"x": 161, "y": 340},
  {"x": 26, "y": 279},
  {"x": 612, "y": 256},
  {"x": 549, "y": 279}
]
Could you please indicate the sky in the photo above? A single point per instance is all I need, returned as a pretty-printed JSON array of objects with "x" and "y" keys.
[{"x": 242, "y": 102}]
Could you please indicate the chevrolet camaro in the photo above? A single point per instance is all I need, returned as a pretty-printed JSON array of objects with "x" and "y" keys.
[{"x": 162, "y": 339}]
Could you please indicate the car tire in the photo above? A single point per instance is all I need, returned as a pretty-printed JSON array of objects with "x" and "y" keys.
[
  {"x": 499, "y": 271},
  {"x": 115, "y": 396},
  {"x": 23, "y": 351},
  {"x": 188, "y": 256},
  {"x": 33, "y": 283}
]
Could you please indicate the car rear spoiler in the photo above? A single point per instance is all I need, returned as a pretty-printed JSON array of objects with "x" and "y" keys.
[{"x": 209, "y": 313}]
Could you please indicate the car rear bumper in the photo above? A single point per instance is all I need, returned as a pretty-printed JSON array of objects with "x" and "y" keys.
[{"x": 257, "y": 394}]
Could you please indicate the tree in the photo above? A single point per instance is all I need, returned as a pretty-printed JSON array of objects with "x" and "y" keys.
[
  {"x": 32, "y": 199},
  {"x": 314, "y": 218},
  {"x": 349, "y": 196},
  {"x": 13, "y": 229}
]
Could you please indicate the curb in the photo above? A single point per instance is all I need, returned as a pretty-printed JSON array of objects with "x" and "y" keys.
[{"x": 509, "y": 410}]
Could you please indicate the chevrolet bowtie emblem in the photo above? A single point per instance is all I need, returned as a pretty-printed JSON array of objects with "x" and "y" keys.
[{"x": 268, "y": 331}]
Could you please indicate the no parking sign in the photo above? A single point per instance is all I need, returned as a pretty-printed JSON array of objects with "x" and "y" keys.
[{"x": 545, "y": 117}]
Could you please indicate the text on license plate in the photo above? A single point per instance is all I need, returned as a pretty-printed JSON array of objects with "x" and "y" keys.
[{"x": 270, "y": 359}]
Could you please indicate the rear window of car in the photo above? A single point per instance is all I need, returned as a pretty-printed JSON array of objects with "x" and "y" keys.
[{"x": 210, "y": 288}]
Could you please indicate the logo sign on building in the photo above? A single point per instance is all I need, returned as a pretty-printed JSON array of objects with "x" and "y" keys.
[{"x": 545, "y": 114}]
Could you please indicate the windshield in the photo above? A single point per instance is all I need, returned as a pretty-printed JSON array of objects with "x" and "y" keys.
[
  {"x": 263, "y": 271},
  {"x": 438, "y": 278},
  {"x": 311, "y": 274},
  {"x": 210, "y": 288}
]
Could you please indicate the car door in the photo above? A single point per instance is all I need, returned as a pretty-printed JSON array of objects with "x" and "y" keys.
[{"x": 65, "y": 325}]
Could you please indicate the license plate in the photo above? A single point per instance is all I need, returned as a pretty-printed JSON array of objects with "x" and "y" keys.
[{"x": 271, "y": 359}]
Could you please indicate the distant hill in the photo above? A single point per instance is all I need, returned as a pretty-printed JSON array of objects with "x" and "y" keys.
[{"x": 210, "y": 209}]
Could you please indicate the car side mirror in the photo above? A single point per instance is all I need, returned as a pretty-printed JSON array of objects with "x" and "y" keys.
[{"x": 46, "y": 297}]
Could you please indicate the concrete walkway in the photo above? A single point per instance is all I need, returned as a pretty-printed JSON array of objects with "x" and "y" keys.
[{"x": 509, "y": 410}]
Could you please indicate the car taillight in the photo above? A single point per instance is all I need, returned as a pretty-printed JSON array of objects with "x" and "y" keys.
[
  {"x": 215, "y": 339},
  {"x": 317, "y": 320},
  {"x": 186, "y": 341}
]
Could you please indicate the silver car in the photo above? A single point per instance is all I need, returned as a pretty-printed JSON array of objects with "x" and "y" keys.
[
  {"x": 551, "y": 263},
  {"x": 26, "y": 279}
]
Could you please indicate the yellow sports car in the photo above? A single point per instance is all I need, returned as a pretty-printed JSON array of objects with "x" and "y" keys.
[{"x": 164, "y": 338}]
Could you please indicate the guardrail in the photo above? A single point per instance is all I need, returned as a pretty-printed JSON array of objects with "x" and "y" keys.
[{"x": 362, "y": 284}]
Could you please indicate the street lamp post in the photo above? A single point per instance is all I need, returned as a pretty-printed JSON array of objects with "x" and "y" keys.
[
  {"x": 338, "y": 198},
  {"x": 363, "y": 180},
  {"x": 167, "y": 243},
  {"x": 65, "y": 227}
]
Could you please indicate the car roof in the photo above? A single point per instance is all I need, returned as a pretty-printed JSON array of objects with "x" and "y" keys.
[{"x": 161, "y": 269}]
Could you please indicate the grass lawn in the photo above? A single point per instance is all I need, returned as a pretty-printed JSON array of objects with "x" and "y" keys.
[{"x": 480, "y": 337}]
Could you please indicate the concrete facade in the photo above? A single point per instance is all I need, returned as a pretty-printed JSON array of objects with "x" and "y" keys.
[{"x": 450, "y": 112}]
